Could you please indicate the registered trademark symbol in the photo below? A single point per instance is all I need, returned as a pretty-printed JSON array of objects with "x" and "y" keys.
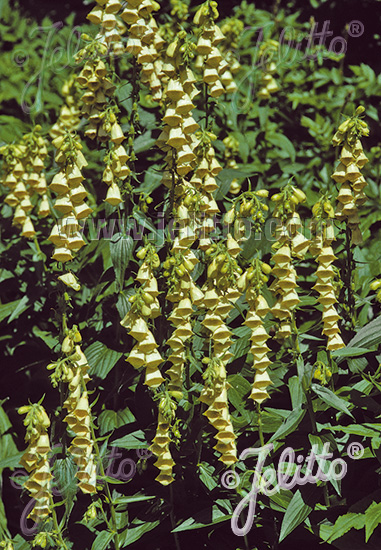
[
  {"x": 355, "y": 28},
  {"x": 143, "y": 454},
  {"x": 355, "y": 450}
]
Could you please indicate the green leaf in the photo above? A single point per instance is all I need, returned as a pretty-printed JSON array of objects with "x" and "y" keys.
[
  {"x": 365, "y": 430},
  {"x": 11, "y": 126},
  {"x": 9, "y": 456},
  {"x": 110, "y": 420},
  {"x": 350, "y": 352},
  {"x": 135, "y": 533},
  {"x": 134, "y": 440},
  {"x": 22, "y": 306},
  {"x": 102, "y": 540},
  {"x": 317, "y": 445},
  {"x": 11, "y": 461},
  {"x": 367, "y": 337},
  {"x": 7, "y": 309},
  {"x": 240, "y": 387},
  {"x": 50, "y": 340},
  {"x": 144, "y": 143},
  {"x": 20, "y": 543},
  {"x": 343, "y": 524},
  {"x": 289, "y": 425},
  {"x": 225, "y": 178},
  {"x": 202, "y": 519},
  {"x": 297, "y": 511},
  {"x": 242, "y": 345},
  {"x": 296, "y": 392},
  {"x": 132, "y": 498},
  {"x": 101, "y": 359},
  {"x": 281, "y": 141},
  {"x": 205, "y": 472},
  {"x": 112, "y": 480},
  {"x": 331, "y": 399},
  {"x": 152, "y": 180},
  {"x": 64, "y": 471},
  {"x": 121, "y": 248},
  {"x": 146, "y": 223},
  {"x": 372, "y": 519}
]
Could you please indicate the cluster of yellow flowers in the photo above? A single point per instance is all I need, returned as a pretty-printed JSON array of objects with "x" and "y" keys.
[
  {"x": 252, "y": 280},
  {"x": 348, "y": 172},
  {"x": 195, "y": 205},
  {"x": 231, "y": 151},
  {"x": 289, "y": 242},
  {"x": 321, "y": 248},
  {"x": 7, "y": 545},
  {"x": 177, "y": 138},
  {"x": 70, "y": 113},
  {"x": 214, "y": 394},
  {"x": 267, "y": 83},
  {"x": 182, "y": 292},
  {"x": 247, "y": 214},
  {"x": 111, "y": 27},
  {"x": 145, "y": 306},
  {"x": 67, "y": 183},
  {"x": 216, "y": 70},
  {"x": 327, "y": 297},
  {"x": 161, "y": 441},
  {"x": 23, "y": 175},
  {"x": 116, "y": 171},
  {"x": 146, "y": 43},
  {"x": 73, "y": 370},
  {"x": 201, "y": 187},
  {"x": 93, "y": 78},
  {"x": 220, "y": 294},
  {"x": 35, "y": 460}
]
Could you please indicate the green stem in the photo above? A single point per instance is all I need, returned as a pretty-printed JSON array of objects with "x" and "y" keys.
[
  {"x": 106, "y": 485},
  {"x": 311, "y": 411},
  {"x": 260, "y": 430},
  {"x": 107, "y": 491},
  {"x": 199, "y": 436},
  {"x": 40, "y": 253},
  {"x": 348, "y": 275},
  {"x": 207, "y": 107},
  {"x": 295, "y": 339},
  {"x": 306, "y": 390},
  {"x": 172, "y": 518},
  {"x": 173, "y": 184},
  {"x": 56, "y": 526}
]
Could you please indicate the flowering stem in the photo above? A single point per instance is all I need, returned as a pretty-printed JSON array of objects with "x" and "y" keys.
[
  {"x": 311, "y": 411},
  {"x": 207, "y": 107},
  {"x": 56, "y": 526},
  {"x": 107, "y": 491},
  {"x": 40, "y": 253},
  {"x": 348, "y": 276},
  {"x": 297, "y": 354},
  {"x": 106, "y": 486},
  {"x": 260, "y": 430}
]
